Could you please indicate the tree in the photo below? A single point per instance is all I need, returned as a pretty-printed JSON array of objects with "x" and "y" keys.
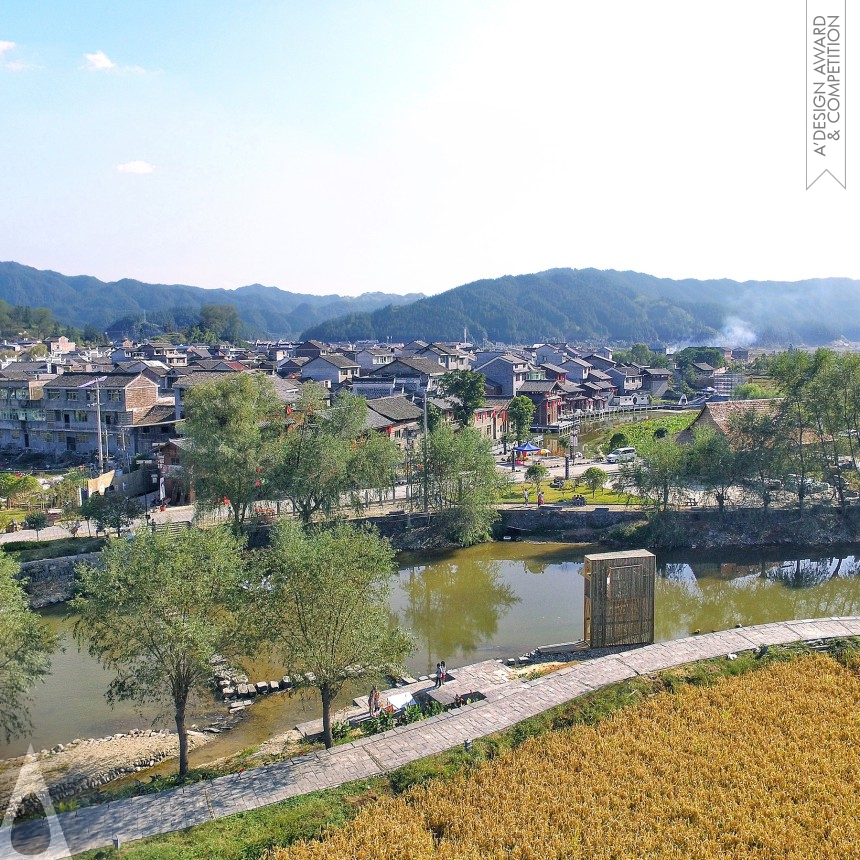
[
  {"x": 759, "y": 447},
  {"x": 463, "y": 484},
  {"x": 25, "y": 648},
  {"x": 157, "y": 608},
  {"x": 36, "y": 520},
  {"x": 594, "y": 479},
  {"x": 329, "y": 457},
  {"x": 111, "y": 511},
  {"x": 536, "y": 474},
  {"x": 521, "y": 411},
  {"x": 222, "y": 320},
  {"x": 712, "y": 462},
  {"x": 618, "y": 440},
  {"x": 659, "y": 472},
  {"x": 234, "y": 428},
  {"x": 18, "y": 489},
  {"x": 329, "y": 603},
  {"x": 465, "y": 388}
]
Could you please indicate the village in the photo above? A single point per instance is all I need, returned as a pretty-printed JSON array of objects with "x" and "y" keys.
[{"x": 110, "y": 408}]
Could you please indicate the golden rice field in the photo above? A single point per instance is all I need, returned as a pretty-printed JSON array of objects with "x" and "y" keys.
[{"x": 764, "y": 765}]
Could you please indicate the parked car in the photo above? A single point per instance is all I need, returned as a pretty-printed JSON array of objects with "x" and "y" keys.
[{"x": 621, "y": 455}]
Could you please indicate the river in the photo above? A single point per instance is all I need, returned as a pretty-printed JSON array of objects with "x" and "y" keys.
[{"x": 494, "y": 600}]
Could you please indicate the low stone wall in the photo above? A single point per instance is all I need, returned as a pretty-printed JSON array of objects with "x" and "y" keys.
[
  {"x": 567, "y": 523},
  {"x": 52, "y": 580}
]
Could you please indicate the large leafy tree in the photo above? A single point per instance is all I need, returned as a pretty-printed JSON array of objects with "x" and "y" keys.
[
  {"x": 328, "y": 607},
  {"x": 462, "y": 483},
  {"x": 521, "y": 411},
  {"x": 233, "y": 432},
  {"x": 465, "y": 390},
  {"x": 713, "y": 462},
  {"x": 329, "y": 458},
  {"x": 25, "y": 646},
  {"x": 157, "y": 608},
  {"x": 659, "y": 473}
]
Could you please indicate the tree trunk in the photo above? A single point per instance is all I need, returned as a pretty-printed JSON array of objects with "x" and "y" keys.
[
  {"x": 181, "y": 730},
  {"x": 325, "y": 693}
]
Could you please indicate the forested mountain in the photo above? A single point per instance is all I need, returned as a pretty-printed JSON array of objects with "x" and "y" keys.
[
  {"x": 592, "y": 306},
  {"x": 266, "y": 311}
]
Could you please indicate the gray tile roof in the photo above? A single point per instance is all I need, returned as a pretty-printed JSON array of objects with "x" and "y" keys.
[{"x": 396, "y": 408}]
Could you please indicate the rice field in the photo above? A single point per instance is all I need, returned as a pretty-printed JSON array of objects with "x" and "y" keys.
[{"x": 763, "y": 765}]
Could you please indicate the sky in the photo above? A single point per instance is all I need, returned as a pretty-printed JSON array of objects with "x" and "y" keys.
[{"x": 343, "y": 147}]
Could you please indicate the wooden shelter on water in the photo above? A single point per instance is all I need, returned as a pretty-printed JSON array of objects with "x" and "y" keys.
[{"x": 619, "y": 598}]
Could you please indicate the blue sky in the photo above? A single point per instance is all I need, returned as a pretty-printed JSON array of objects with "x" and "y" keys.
[{"x": 334, "y": 147}]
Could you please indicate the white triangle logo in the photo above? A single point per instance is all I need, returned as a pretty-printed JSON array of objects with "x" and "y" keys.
[{"x": 38, "y": 838}]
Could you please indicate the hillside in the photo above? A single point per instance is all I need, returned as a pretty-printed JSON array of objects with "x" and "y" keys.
[
  {"x": 266, "y": 311},
  {"x": 592, "y": 306}
]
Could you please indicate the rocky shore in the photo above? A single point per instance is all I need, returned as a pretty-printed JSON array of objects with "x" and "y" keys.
[{"x": 85, "y": 764}]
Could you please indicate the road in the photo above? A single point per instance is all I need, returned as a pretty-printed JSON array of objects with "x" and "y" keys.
[{"x": 555, "y": 465}]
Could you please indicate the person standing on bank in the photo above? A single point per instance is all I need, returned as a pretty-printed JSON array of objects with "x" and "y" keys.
[
  {"x": 438, "y": 675},
  {"x": 444, "y": 672}
]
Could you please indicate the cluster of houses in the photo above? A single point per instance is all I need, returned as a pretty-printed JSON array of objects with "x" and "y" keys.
[{"x": 128, "y": 400}]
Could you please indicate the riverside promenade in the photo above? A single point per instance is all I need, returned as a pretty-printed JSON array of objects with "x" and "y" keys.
[{"x": 139, "y": 817}]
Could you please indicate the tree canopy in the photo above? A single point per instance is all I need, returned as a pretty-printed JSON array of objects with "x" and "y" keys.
[
  {"x": 329, "y": 457},
  {"x": 25, "y": 648},
  {"x": 521, "y": 411},
  {"x": 157, "y": 608},
  {"x": 329, "y": 607},
  {"x": 234, "y": 428},
  {"x": 465, "y": 390},
  {"x": 462, "y": 483}
]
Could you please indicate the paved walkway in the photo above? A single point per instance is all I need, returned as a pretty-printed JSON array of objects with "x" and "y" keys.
[{"x": 138, "y": 817}]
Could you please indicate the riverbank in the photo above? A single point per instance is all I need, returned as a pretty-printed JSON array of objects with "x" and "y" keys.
[
  {"x": 746, "y": 528},
  {"x": 86, "y": 764}
]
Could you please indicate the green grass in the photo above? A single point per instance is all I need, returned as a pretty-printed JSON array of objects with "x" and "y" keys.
[
  {"x": 601, "y": 497},
  {"x": 640, "y": 433},
  {"x": 9, "y": 514},
  {"x": 35, "y": 550},
  {"x": 249, "y": 835}
]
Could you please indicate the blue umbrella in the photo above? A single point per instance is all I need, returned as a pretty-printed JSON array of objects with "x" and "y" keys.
[{"x": 527, "y": 447}]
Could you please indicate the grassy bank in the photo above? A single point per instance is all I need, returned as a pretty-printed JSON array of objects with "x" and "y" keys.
[
  {"x": 603, "y": 496},
  {"x": 35, "y": 550},
  {"x": 249, "y": 835},
  {"x": 640, "y": 433}
]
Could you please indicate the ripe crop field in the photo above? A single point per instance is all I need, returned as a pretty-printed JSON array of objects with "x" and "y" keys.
[{"x": 763, "y": 765}]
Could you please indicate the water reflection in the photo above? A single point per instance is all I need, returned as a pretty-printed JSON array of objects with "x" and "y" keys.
[
  {"x": 451, "y": 610},
  {"x": 492, "y": 601},
  {"x": 710, "y": 595}
]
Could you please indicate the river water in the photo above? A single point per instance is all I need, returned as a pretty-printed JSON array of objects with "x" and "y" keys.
[{"x": 495, "y": 600}]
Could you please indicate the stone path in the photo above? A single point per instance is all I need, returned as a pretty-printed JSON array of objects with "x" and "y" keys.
[{"x": 508, "y": 704}]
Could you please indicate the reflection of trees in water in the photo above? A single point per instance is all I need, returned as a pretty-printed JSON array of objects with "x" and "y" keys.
[
  {"x": 806, "y": 572},
  {"x": 772, "y": 591},
  {"x": 453, "y": 608}
]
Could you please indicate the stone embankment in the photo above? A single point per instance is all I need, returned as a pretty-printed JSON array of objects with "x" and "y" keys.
[
  {"x": 85, "y": 764},
  {"x": 52, "y": 580}
]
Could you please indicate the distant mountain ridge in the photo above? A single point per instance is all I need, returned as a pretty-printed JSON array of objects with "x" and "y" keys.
[
  {"x": 80, "y": 300},
  {"x": 594, "y": 306}
]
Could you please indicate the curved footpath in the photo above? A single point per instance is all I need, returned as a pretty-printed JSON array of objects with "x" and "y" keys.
[{"x": 136, "y": 818}]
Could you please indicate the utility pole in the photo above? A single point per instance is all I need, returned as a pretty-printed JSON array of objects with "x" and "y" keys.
[
  {"x": 424, "y": 469},
  {"x": 99, "y": 427}
]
